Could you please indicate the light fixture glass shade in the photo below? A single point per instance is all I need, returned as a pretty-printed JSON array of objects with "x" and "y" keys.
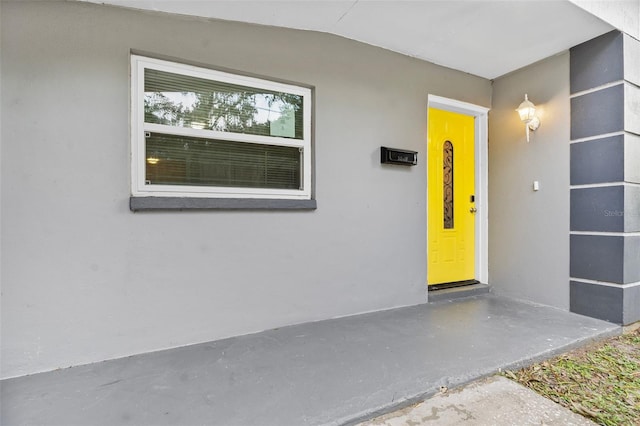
[{"x": 526, "y": 110}]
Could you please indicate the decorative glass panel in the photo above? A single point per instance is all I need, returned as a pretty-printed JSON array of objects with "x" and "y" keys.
[
  {"x": 186, "y": 101},
  {"x": 447, "y": 166},
  {"x": 184, "y": 160}
]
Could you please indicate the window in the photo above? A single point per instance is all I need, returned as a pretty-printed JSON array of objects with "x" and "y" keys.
[{"x": 202, "y": 133}]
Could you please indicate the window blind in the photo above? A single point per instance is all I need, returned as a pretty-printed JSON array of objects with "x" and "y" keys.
[{"x": 183, "y": 160}]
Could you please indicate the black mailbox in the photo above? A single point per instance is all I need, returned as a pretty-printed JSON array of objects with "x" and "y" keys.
[{"x": 398, "y": 156}]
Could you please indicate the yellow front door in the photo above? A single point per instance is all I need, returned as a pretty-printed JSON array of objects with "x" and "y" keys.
[{"x": 450, "y": 197}]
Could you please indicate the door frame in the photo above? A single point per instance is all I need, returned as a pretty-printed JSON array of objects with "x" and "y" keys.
[{"x": 481, "y": 115}]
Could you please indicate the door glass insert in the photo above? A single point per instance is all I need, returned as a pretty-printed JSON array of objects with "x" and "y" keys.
[{"x": 447, "y": 182}]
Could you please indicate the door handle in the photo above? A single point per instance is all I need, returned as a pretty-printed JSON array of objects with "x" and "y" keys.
[{"x": 473, "y": 210}]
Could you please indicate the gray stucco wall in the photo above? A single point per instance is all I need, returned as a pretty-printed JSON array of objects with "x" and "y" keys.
[
  {"x": 528, "y": 230},
  {"x": 85, "y": 279}
]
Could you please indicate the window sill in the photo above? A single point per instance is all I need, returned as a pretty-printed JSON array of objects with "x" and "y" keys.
[{"x": 189, "y": 203}]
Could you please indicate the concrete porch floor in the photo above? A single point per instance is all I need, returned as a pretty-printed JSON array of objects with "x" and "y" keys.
[{"x": 324, "y": 373}]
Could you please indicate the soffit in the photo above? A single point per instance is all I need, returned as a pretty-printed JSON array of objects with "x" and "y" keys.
[{"x": 487, "y": 38}]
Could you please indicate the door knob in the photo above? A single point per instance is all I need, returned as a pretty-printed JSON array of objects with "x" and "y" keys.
[{"x": 473, "y": 210}]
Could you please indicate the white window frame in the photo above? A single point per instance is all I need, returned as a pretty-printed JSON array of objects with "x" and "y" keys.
[{"x": 139, "y": 127}]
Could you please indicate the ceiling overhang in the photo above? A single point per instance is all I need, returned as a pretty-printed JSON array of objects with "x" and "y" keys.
[{"x": 486, "y": 38}]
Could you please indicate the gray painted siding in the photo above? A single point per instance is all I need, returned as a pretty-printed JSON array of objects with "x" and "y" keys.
[
  {"x": 620, "y": 305},
  {"x": 598, "y": 209},
  {"x": 85, "y": 279},
  {"x": 632, "y": 108},
  {"x": 631, "y": 158},
  {"x": 632, "y": 209},
  {"x": 597, "y": 62},
  {"x": 597, "y": 301},
  {"x": 598, "y": 161},
  {"x": 631, "y": 259},
  {"x": 632, "y": 60},
  {"x": 524, "y": 224},
  {"x": 598, "y": 257},
  {"x": 598, "y": 113},
  {"x": 631, "y": 305},
  {"x": 608, "y": 259}
]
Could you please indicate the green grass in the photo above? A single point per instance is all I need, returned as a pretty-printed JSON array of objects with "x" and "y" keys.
[{"x": 600, "y": 381}]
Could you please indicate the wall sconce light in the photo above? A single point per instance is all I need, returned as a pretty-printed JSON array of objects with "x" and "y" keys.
[{"x": 527, "y": 111}]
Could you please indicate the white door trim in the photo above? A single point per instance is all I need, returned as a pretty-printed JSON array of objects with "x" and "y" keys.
[{"x": 481, "y": 115}]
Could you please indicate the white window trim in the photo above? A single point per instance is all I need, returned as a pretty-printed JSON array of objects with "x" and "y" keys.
[{"x": 139, "y": 127}]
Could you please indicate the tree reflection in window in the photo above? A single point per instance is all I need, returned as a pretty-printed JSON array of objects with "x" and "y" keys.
[
  {"x": 186, "y": 101},
  {"x": 447, "y": 181}
]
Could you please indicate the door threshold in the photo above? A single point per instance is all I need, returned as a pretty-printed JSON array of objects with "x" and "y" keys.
[
  {"x": 443, "y": 286},
  {"x": 459, "y": 292}
]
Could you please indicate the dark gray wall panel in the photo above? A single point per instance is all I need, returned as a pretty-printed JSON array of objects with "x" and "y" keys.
[
  {"x": 598, "y": 161},
  {"x": 598, "y": 209},
  {"x": 597, "y": 62},
  {"x": 631, "y": 259},
  {"x": 609, "y": 303},
  {"x": 596, "y": 301},
  {"x": 598, "y": 113},
  {"x": 631, "y": 305},
  {"x": 597, "y": 257},
  {"x": 631, "y": 208},
  {"x": 609, "y": 258}
]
